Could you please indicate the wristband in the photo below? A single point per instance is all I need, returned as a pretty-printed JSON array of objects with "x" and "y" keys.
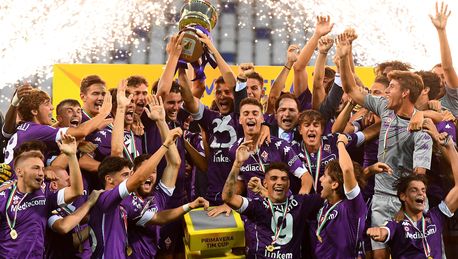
[
  {"x": 287, "y": 67},
  {"x": 340, "y": 141},
  {"x": 243, "y": 80},
  {"x": 15, "y": 101},
  {"x": 186, "y": 207},
  {"x": 165, "y": 146}
]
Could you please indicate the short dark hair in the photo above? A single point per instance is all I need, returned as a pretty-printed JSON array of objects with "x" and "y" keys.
[
  {"x": 134, "y": 81},
  {"x": 111, "y": 165},
  {"x": 381, "y": 79},
  {"x": 71, "y": 102},
  {"x": 394, "y": 64},
  {"x": 251, "y": 101},
  {"x": 175, "y": 88},
  {"x": 219, "y": 80},
  {"x": 287, "y": 96},
  {"x": 408, "y": 80},
  {"x": 310, "y": 116},
  {"x": 403, "y": 182},
  {"x": 90, "y": 80},
  {"x": 432, "y": 81},
  {"x": 28, "y": 154},
  {"x": 336, "y": 174},
  {"x": 138, "y": 161},
  {"x": 278, "y": 166},
  {"x": 32, "y": 145},
  {"x": 256, "y": 76}
]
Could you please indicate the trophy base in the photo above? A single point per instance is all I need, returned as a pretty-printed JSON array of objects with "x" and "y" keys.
[{"x": 192, "y": 46}]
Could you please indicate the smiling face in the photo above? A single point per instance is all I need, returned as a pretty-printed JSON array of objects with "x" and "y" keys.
[
  {"x": 311, "y": 131},
  {"x": 44, "y": 113},
  {"x": 439, "y": 71},
  {"x": 224, "y": 98},
  {"x": 139, "y": 97},
  {"x": 93, "y": 98},
  {"x": 287, "y": 114},
  {"x": 277, "y": 184},
  {"x": 147, "y": 187},
  {"x": 414, "y": 197},
  {"x": 69, "y": 116},
  {"x": 395, "y": 95},
  {"x": 172, "y": 105},
  {"x": 328, "y": 184},
  {"x": 251, "y": 119},
  {"x": 254, "y": 88},
  {"x": 30, "y": 172}
]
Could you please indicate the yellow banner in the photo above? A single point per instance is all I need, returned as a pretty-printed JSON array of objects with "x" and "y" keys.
[{"x": 67, "y": 77}]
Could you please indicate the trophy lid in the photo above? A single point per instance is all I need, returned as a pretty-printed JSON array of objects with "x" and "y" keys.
[{"x": 198, "y": 12}]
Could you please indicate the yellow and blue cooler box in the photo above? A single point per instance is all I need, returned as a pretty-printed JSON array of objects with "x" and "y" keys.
[{"x": 207, "y": 237}]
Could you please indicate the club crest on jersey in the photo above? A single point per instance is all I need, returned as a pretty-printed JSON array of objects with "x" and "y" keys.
[
  {"x": 15, "y": 199},
  {"x": 264, "y": 155},
  {"x": 327, "y": 147}
]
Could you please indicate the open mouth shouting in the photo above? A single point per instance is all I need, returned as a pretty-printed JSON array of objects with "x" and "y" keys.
[{"x": 74, "y": 122}]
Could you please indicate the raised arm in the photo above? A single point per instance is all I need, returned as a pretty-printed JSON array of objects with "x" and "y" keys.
[
  {"x": 67, "y": 145},
  {"x": 190, "y": 104},
  {"x": 117, "y": 135},
  {"x": 144, "y": 171},
  {"x": 346, "y": 163},
  {"x": 348, "y": 80},
  {"x": 224, "y": 68},
  {"x": 229, "y": 190},
  {"x": 342, "y": 119},
  {"x": 67, "y": 223},
  {"x": 174, "y": 49},
  {"x": 166, "y": 216},
  {"x": 318, "y": 92},
  {"x": 93, "y": 124},
  {"x": 9, "y": 125},
  {"x": 440, "y": 22},
  {"x": 279, "y": 83}
]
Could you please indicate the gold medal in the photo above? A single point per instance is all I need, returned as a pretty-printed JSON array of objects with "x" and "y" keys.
[
  {"x": 319, "y": 238},
  {"x": 13, "y": 234},
  {"x": 430, "y": 257},
  {"x": 129, "y": 250},
  {"x": 270, "y": 248}
]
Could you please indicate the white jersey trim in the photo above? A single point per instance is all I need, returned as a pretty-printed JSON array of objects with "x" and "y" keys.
[
  {"x": 123, "y": 192},
  {"x": 200, "y": 113},
  {"x": 353, "y": 193},
  {"x": 300, "y": 171},
  {"x": 360, "y": 138},
  {"x": 168, "y": 190},
  {"x": 388, "y": 236},
  {"x": 445, "y": 210},
  {"x": 61, "y": 130},
  {"x": 61, "y": 197},
  {"x": 52, "y": 220},
  {"x": 239, "y": 86},
  {"x": 146, "y": 217},
  {"x": 244, "y": 206}
]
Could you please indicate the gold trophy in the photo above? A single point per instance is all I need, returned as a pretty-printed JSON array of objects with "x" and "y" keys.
[{"x": 195, "y": 15}]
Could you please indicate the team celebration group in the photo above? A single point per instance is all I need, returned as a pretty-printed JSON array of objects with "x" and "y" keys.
[{"x": 337, "y": 171}]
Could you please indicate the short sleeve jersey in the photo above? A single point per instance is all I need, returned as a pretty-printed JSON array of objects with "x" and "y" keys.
[
  {"x": 407, "y": 241},
  {"x": 142, "y": 237},
  {"x": 33, "y": 210},
  {"x": 402, "y": 150},
  {"x": 28, "y": 131},
  {"x": 258, "y": 163},
  {"x": 450, "y": 100},
  {"x": 222, "y": 132},
  {"x": 109, "y": 223},
  {"x": 343, "y": 227},
  {"x": 285, "y": 220}
]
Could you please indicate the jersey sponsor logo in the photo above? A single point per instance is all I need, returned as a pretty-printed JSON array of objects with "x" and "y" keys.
[
  {"x": 430, "y": 230},
  {"x": 220, "y": 158},
  {"x": 36, "y": 201},
  {"x": 291, "y": 162},
  {"x": 278, "y": 255},
  {"x": 250, "y": 168}
]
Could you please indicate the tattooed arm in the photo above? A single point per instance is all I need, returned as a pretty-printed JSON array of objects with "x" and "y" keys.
[{"x": 229, "y": 191}]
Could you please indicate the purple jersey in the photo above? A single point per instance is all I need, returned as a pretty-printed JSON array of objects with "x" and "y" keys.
[
  {"x": 32, "y": 131},
  {"x": 109, "y": 223},
  {"x": 258, "y": 163},
  {"x": 142, "y": 236},
  {"x": 288, "y": 226},
  {"x": 32, "y": 213},
  {"x": 406, "y": 241},
  {"x": 305, "y": 100},
  {"x": 449, "y": 127},
  {"x": 152, "y": 142},
  {"x": 102, "y": 139},
  {"x": 342, "y": 227},
  {"x": 222, "y": 132},
  {"x": 329, "y": 152}
]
